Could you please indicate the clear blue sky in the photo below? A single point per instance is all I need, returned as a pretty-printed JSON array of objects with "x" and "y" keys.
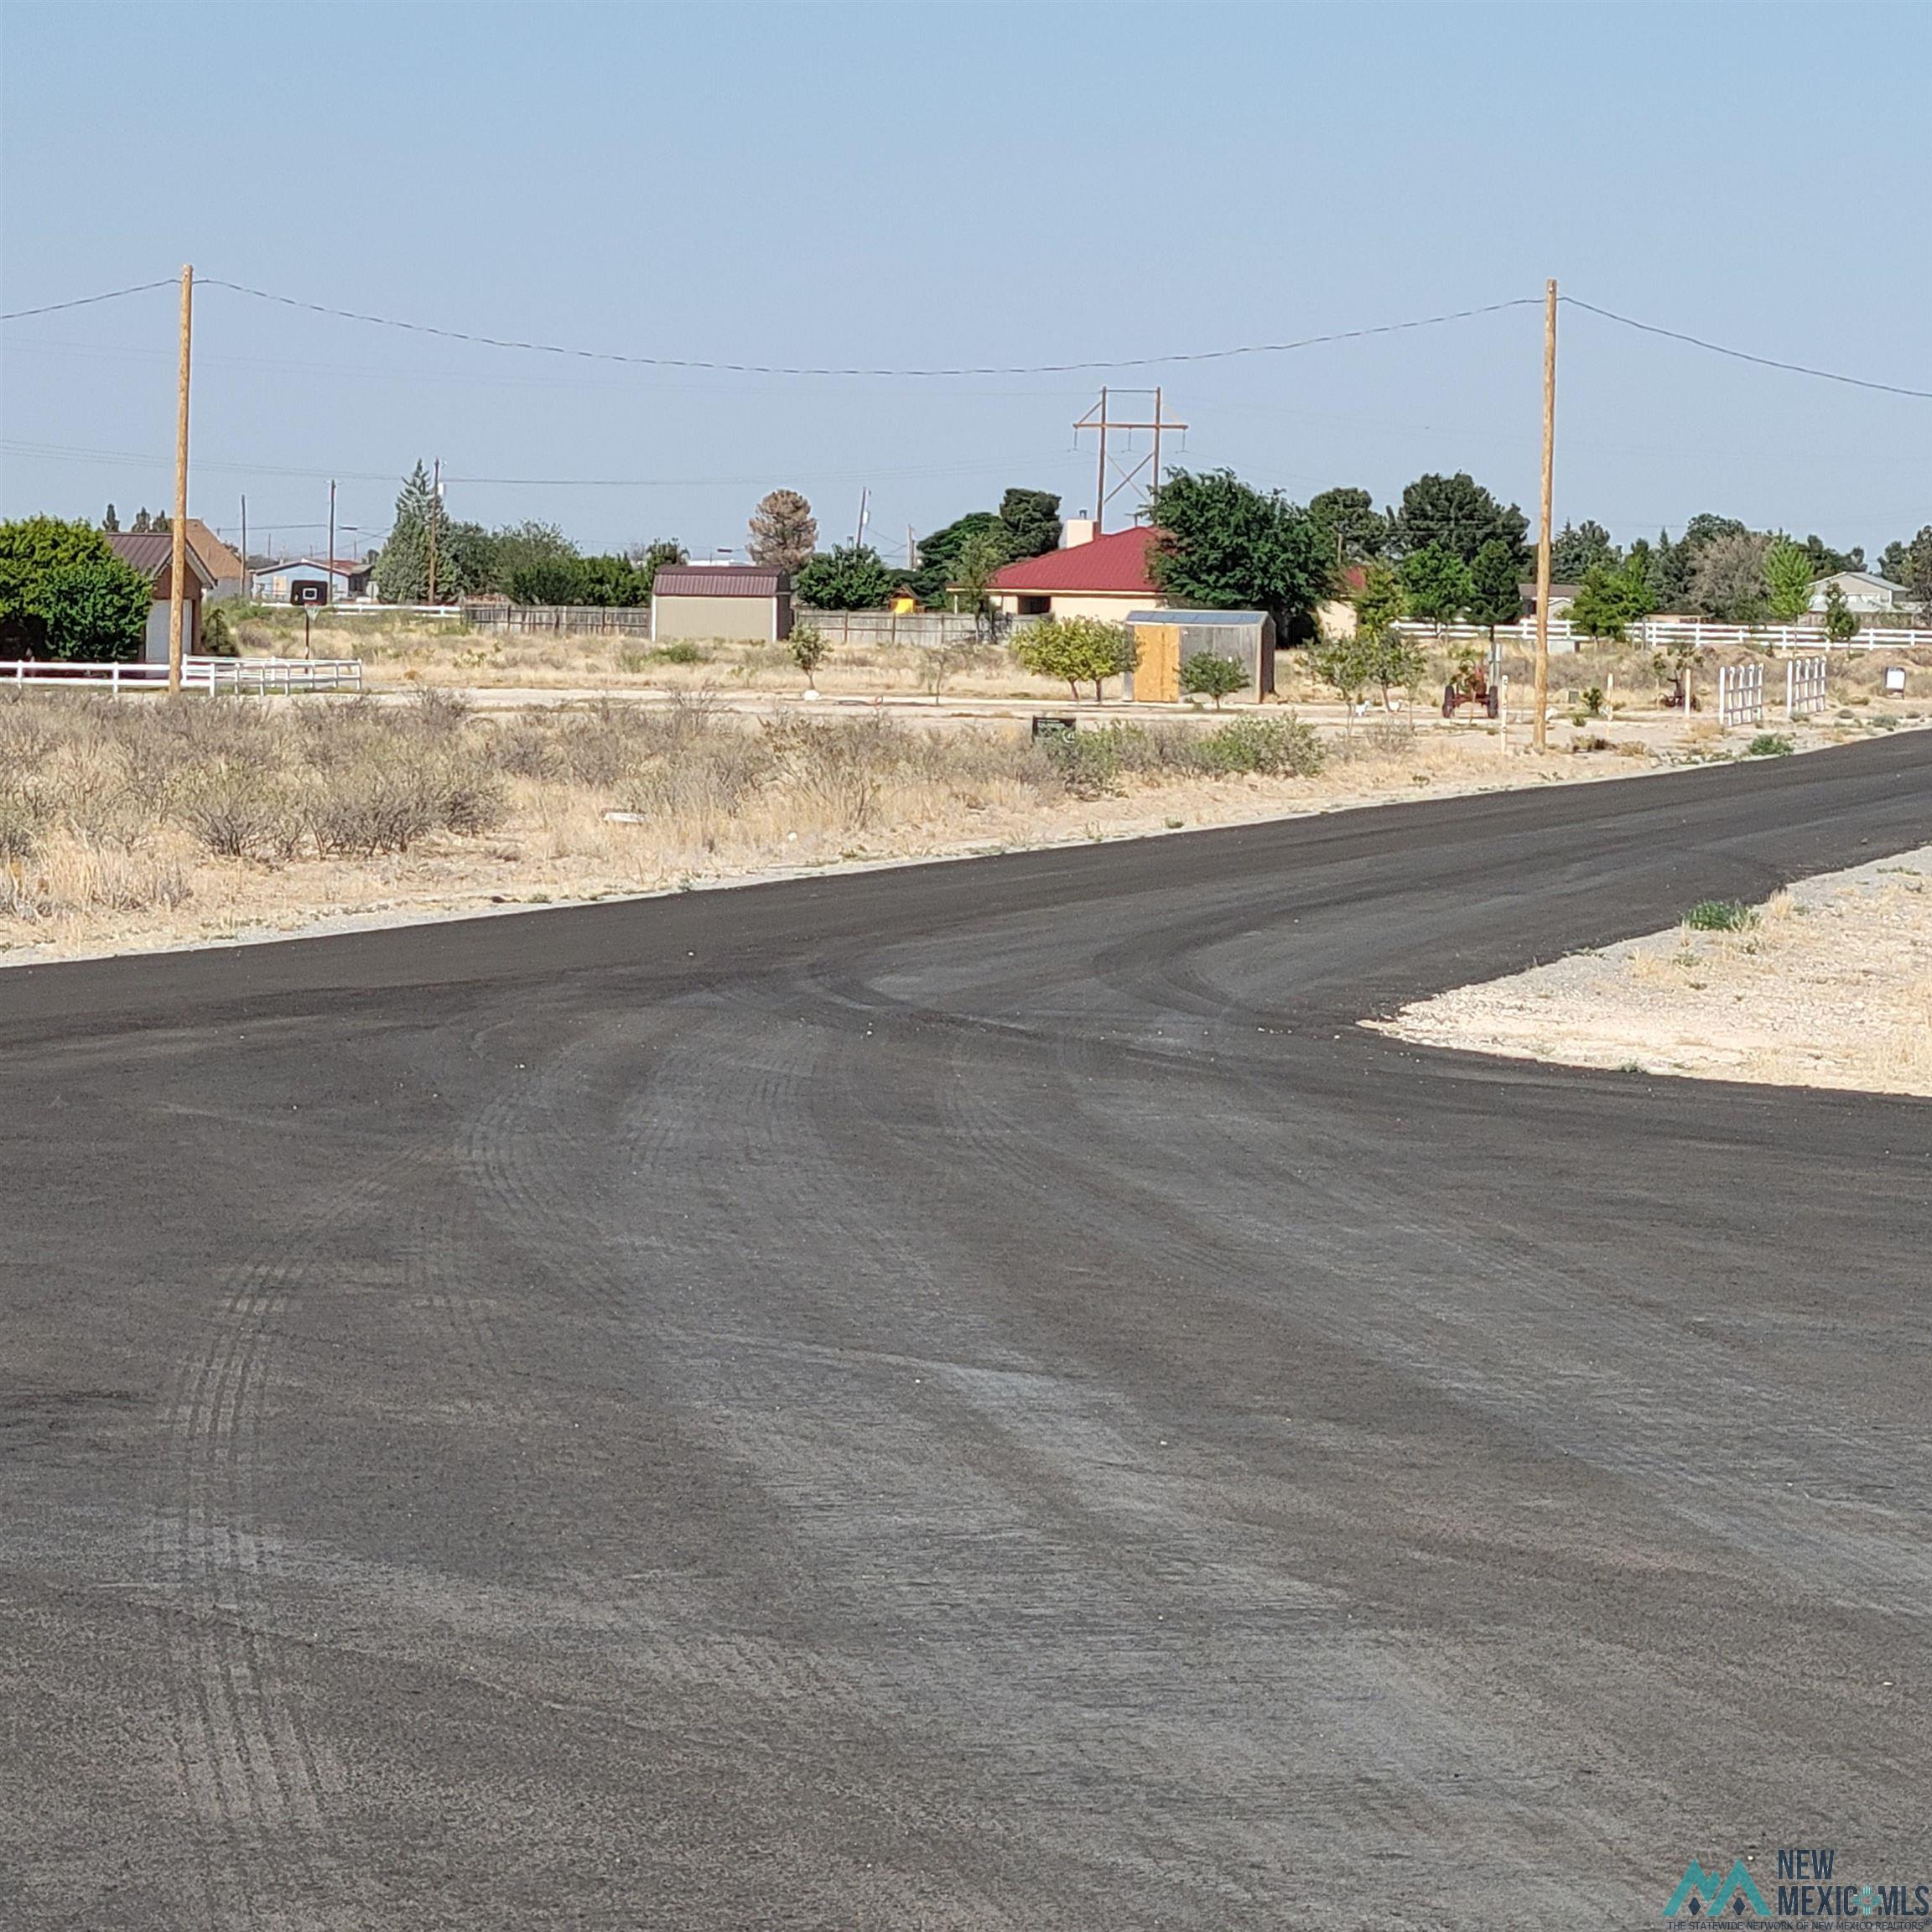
[{"x": 919, "y": 186}]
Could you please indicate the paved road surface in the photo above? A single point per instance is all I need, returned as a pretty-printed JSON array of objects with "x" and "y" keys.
[{"x": 967, "y": 1398}]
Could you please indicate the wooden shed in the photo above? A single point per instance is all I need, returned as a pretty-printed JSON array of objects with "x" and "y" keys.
[
  {"x": 742, "y": 601},
  {"x": 1165, "y": 638}
]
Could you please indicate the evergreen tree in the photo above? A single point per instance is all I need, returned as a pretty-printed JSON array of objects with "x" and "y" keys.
[
  {"x": 1576, "y": 547},
  {"x": 403, "y": 568},
  {"x": 1788, "y": 580},
  {"x": 1495, "y": 591}
]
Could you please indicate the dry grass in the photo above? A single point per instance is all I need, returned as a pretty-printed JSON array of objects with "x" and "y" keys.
[{"x": 142, "y": 822}]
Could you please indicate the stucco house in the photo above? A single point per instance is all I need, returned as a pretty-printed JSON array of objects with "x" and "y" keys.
[
  {"x": 152, "y": 553},
  {"x": 1090, "y": 575},
  {"x": 1865, "y": 594}
]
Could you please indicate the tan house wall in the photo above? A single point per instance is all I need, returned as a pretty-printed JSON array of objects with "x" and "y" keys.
[
  {"x": 1114, "y": 609},
  {"x": 747, "y": 619}
]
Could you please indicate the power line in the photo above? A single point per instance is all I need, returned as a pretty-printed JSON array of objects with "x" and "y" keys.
[
  {"x": 87, "y": 301},
  {"x": 773, "y": 369},
  {"x": 1744, "y": 355}
]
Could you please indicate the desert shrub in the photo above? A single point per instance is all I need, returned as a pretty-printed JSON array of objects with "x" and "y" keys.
[
  {"x": 1270, "y": 747},
  {"x": 1720, "y": 916},
  {"x": 1770, "y": 745},
  {"x": 469, "y": 798},
  {"x": 683, "y": 652},
  {"x": 809, "y": 649},
  {"x": 242, "y": 811},
  {"x": 21, "y": 821},
  {"x": 1088, "y": 763},
  {"x": 360, "y": 811}
]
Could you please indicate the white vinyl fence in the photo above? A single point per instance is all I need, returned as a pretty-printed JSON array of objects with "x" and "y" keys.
[
  {"x": 1740, "y": 695},
  {"x": 263, "y": 676},
  {"x": 1804, "y": 681},
  {"x": 1658, "y": 631}
]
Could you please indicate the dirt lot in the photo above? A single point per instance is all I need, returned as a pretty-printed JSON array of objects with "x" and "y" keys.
[{"x": 1828, "y": 985}]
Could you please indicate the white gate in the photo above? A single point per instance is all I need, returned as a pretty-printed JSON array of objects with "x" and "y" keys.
[
  {"x": 1805, "y": 686},
  {"x": 1740, "y": 694}
]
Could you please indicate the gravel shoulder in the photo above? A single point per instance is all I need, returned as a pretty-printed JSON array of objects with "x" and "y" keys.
[{"x": 1828, "y": 985}]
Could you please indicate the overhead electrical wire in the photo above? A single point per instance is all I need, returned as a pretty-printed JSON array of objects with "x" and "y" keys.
[{"x": 87, "y": 301}]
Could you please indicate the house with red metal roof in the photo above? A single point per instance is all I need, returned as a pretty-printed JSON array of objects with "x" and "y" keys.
[{"x": 1092, "y": 575}]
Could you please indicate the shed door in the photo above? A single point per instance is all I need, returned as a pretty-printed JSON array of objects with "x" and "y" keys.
[{"x": 1157, "y": 672}]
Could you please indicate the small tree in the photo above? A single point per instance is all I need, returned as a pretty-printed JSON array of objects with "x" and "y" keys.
[
  {"x": 1841, "y": 625},
  {"x": 1081, "y": 650},
  {"x": 1348, "y": 664},
  {"x": 1611, "y": 596},
  {"x": 808, "y": 652},
  {"x": 980, "y": 558},
  {"x": 784, "y": 533},
  {"x": 1495, "y": 591},
  {"x": 1207, "y": 674},
  {"x": 1436, "y": 584},
  {"x": 1380, "y": 604},
  {"x": 1788, "y": 580}
]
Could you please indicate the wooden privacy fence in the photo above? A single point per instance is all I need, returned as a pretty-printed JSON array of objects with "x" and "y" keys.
[
  {"x": 567, "y": 619},
  {"x": 1740, "y": 695},
  {"x": 1805, "y": 686},
  {"x": 936, "y": 630}
]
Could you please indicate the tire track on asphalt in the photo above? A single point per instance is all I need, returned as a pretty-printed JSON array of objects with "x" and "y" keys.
[{"x": 259, "y": 1784}]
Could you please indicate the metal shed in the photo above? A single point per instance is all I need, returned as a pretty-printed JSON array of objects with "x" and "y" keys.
[
  {"x": 744, "y": 601},
  {"x": 1166, "y": 637}
]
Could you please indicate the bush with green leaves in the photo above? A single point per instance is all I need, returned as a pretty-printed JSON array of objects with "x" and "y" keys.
[
  {"x": 1267, "y": 747},
  {"x": 1770, "y": 745},
  {"x": 64, "y": 593},
  {"x": 851, "y": 578},
  {"x": 1841, "y": 624},
  {"x": 1207, "y": 674},
  {"x": 1081, "y": 650}
]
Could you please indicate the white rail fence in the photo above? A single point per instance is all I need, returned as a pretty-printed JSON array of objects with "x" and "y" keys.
[
  {"x": 1805, "y": 686},
  {"x": 1740, "y": 695},
  {"x": 1657, "y": 632},
  {"x": 262, "y": 677}
]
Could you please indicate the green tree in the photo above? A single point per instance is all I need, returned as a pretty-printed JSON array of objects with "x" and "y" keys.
[
  {"x": 1495, "y": 591},
  {"x": 1380, "y": 604},
  {"x": 64, "y": 594},
  {"x": 1910, "y": 563},
  {"x": 1436, "y": 582},
  {"x": 1840, "y": 625},
  {"x": 651, "y": 558},
  {"x": 1575, "y": 547},
  {"x": 520, "y": 547},
  {"x": 1787, "y": 580},
  {"x": 1351, "y": 664},
  {"x": 1611, "y": 596},
  {"x": 548, "y": 580},
  {"x": 95, "y": 611},
  {"x": 1456, "y": 514},
  {"x": 1352, "y": 531},
  {"x": 1030, "y": 522},
  {"x": 614, "y": 583},
  {"x": 784, "y": 533},
  {"x": 1207, "y": 674},
  {"x": 1826, "y": 561},
  {"x": 850, "y": 577},
  {"x": 1081, "y": 650},
  {"x": 980, "y": 558},
  {"x": 1225, "y": 546},
  {"x": 402, "y": 567}
]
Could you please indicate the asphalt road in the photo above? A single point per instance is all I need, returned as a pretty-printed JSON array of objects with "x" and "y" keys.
[{"x": 967, "y": 1397}]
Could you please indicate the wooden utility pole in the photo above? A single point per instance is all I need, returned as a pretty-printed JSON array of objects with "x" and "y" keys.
[
  {"x": 247, "y": 575},
  {"x": 1100, "y": 476},
  {"x": 1540, "y": 722},
  {"x": 178, "y": 568},
  {"x": 435, "y": 517}
]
